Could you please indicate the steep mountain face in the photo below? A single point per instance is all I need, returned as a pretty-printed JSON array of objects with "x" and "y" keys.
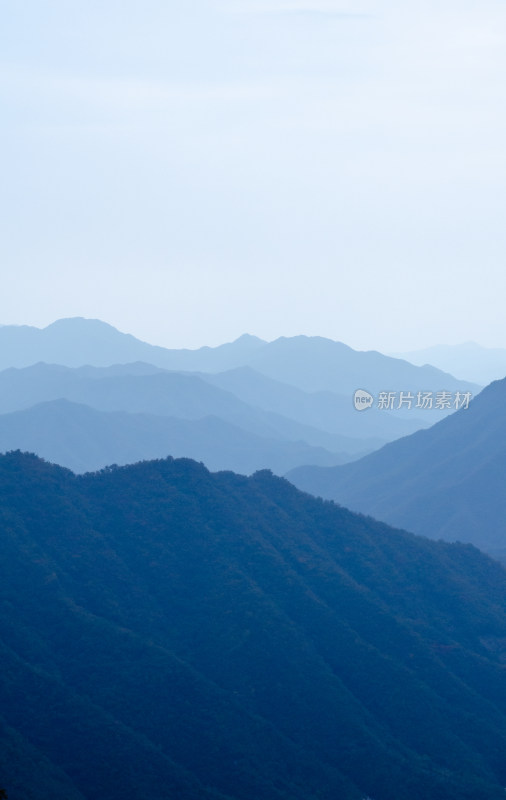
[
  {"x": 167, "y": 632},
  {"x": 447, "y": 482}
]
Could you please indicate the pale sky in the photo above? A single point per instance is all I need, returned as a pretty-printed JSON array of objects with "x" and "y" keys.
[{"x": 190, "y": 170}]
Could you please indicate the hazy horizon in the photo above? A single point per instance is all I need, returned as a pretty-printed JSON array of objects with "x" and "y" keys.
[
  {"x": 243, "y": 335},
  {"x": 191, "y": 171}
]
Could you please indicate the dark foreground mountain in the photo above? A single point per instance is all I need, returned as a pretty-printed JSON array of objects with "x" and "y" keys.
[
  {"x": 446, "y": 482},
  {"x": 170, "y": 633}
]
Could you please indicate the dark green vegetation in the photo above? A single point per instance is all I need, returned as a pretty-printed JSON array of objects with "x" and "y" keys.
[
  {"x": 447, "y": 482},
  {"x": 170, "y": 633}
]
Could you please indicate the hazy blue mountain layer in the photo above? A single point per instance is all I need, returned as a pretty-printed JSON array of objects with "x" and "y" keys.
[
  {"x": 147, "y": 390},
  {"x": 76, "y": 342},
  {"x": 324, "y": 409},
  {"x": 310, "y": 363},
  {"x": 84, "y": 439}
]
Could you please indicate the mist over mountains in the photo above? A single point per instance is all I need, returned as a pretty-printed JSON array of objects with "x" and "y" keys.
[
  {"x": 167, "y": 632},
  {"x": 76, "y": 342},
  {"x": 154, "y": 413},
  {"x": 84, "y": 439},
  {"x": 195, "y": 601},
  {"x": 310, "y": 363},
  {"x": 243, "y": 406},
  {"x": 170, "y": 632}
]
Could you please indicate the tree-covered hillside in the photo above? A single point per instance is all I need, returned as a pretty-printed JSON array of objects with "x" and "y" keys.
[{"x": 166, "y": 632}]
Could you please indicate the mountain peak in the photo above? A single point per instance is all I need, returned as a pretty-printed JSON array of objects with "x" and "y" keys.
[
  {"x": 246, "y": 338},
  {"x": 80, "y": 323}
]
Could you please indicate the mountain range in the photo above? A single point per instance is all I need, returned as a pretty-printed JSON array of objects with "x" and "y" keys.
[
  {"x": 311, "y": 363},
  {"x": 168, "y": 632},
  {"x": 445, "y": 482},
  {"x": 288, "y": 402},
  {"x": 241, "y": 434},
  {"x": 77, "y": 341},
  {"x": 84, "y": 439}
]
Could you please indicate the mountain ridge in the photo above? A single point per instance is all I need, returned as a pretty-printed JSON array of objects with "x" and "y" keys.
[
  {"x": 445, "y": 481},
  {"x": 164, "y": 630},
  {"x": 312, "y": 363},
  {"x": 85, "y": 439}
]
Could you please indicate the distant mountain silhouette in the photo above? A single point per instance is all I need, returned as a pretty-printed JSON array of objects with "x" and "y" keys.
[
  {"x": 310, "y": 363},
  {"x": 169, "y": 633},
  {"x": 76, "y": 342},
  {"x": 469, "y": 361},
  {"x": 84, "y": 439},
  {"x": 148, "y": 390},
  {"x": 316, "y": 364},
  {"x": 446, "y": 482},
  {"x": 324, "y": 410},
  {"x": 297, "y": 388}
]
